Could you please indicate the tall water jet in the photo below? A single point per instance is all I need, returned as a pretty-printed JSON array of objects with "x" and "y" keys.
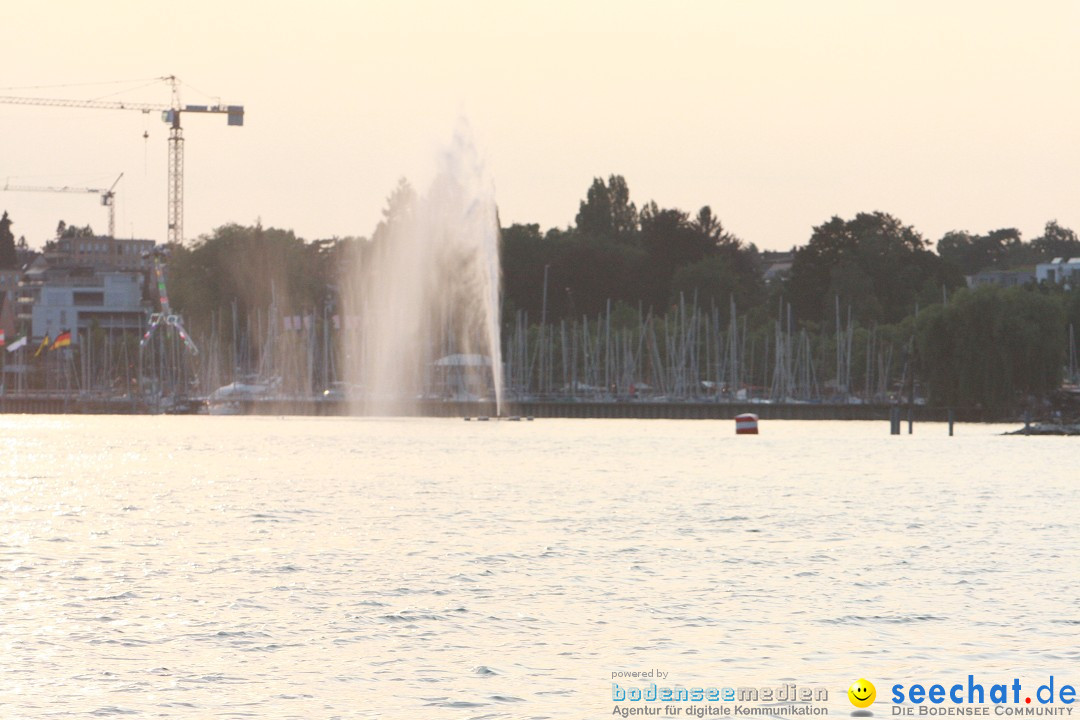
[{"x": 424, "y": 293}]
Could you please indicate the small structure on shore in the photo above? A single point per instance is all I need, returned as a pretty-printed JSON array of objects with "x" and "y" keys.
[{"x": 463, "y": 377}]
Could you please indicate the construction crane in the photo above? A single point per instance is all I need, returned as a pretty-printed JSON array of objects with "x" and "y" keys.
[
  {"x": 171, "y": 114},
  {"x": 107, "y": 196}
]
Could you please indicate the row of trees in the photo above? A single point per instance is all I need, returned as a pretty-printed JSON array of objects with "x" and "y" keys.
[
  {"x": 1005, "y": 250},
  {"x": 247, "y": 270},
  {"x": 615, "y": 252},
  {"x": 649, "y": 258},
  {"x": 871, "y": 279},
  {"x": 987, "y": 347}
]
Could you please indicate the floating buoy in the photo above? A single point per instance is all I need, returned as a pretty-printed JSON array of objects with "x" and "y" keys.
[{"x": 746, "y": 424}]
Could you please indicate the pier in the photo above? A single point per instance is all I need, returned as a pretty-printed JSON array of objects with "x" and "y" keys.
[
  {"x": 50, "y": 403},
  {"x": 56, "y": 403}
]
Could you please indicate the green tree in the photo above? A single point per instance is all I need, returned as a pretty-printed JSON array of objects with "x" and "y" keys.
[
  {"x": 992, "y": 348},
  {"x": 606, "y": 212},
  {"x": 400, "y": 207},
  {"x": 1055, "y": 242},
  {"x": 873, "y": 263},
  {"x": 8, "y": 258},
  {"x": 1000, "y": 249},
  {"x": 670, "y": 241},
  {"x": 727, "y": 268},
  {"x": 707, "y": 225},
  {"x": 524, "y": 254},
  {"x": 712, "y": 282},
  {"x": 63, "y": 230},
  {"x": 1070, "y": 302},
  {"x": 590, "y": 272},
  {"x": 251, "y": 266}
]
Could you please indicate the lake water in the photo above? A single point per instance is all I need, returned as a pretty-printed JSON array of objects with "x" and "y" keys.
[{"x": 225, "y": 567}]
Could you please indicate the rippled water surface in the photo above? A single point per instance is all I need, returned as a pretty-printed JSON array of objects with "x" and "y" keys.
[{"x": 219, "y": 567}]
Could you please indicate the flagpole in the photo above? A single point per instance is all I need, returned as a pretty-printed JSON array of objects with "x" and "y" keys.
[{"x": 22, "y": 367}]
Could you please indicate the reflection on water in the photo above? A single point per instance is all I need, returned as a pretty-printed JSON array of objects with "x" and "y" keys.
[{"x": 317, "y": 568}]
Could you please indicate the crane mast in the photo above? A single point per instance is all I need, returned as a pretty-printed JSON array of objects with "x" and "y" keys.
[
  {"x": 176, "y": 181},
  {"x": 171, "y": 114},
  {"x": 175, "y": 210}
]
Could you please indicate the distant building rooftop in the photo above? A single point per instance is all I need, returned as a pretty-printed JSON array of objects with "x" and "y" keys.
[
  {"x": 777, "y": 265},
  {"x": 1058, "y": 270},
  {"x": 100, "y": 252}
]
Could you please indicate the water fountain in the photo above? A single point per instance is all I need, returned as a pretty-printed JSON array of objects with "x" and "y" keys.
[{"x": 425, "y": 293}]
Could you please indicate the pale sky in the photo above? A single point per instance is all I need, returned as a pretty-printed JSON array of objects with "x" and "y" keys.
[{"x": 777, "y": 113}]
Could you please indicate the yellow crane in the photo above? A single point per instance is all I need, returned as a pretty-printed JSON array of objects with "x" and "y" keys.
[
  {"x": 108, "y": 197},
  {"x": 170, "y": 114}
]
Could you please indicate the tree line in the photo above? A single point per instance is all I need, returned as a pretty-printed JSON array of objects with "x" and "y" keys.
[
  {"x": 871, "y": 276},
  {"x": 986, "y": 347}
]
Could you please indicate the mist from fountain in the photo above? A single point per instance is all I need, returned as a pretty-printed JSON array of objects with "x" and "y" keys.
[{"x": 425, "y": 293}]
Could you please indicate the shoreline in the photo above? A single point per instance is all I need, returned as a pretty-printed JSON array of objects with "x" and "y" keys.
[{"x": 66, "y": 404}]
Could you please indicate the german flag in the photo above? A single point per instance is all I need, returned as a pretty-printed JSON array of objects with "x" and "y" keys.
[{"x": 62, "y": 340}]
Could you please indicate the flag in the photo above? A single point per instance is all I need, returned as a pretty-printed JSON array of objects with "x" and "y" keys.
[
  {"x": 44, "y": 344},
  {"x": 62, "y": 340},
  {"x": 1, "y": 337},
  {"x": 21, "y": 342}
]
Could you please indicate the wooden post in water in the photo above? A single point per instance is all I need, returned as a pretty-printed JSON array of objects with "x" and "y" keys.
[
  {"x": 894, "y": 420},
  {"x": 952, "y": 419}
]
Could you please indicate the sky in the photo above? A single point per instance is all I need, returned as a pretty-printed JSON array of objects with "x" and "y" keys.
[{"x": 778, "y": 114}]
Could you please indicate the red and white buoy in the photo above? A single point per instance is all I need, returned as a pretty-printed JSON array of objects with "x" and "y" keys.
[{"x": 746, "y": 424}]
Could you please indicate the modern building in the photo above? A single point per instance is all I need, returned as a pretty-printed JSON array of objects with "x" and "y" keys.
[
  {"x": 100, "y": 252},
  {"x": 1058, "y": 270},
  {"x": 82, "y": 282},
  {"x": 1001, "y": 278}
]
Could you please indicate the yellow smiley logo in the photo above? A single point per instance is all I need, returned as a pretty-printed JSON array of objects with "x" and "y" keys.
[{"x": 862, "y": 693}]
